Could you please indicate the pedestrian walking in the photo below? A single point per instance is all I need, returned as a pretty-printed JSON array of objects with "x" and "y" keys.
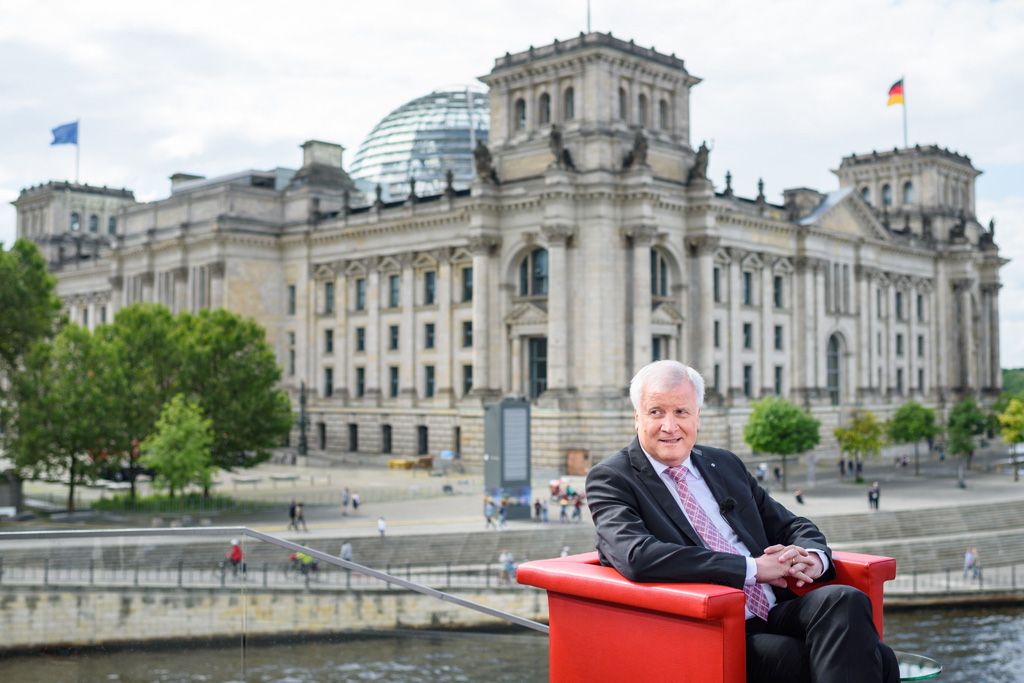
[
  {"x": 577, "y": 510},
  {"x": 346, "y": 498},
  {"x": 564, "y": 514},
  {"x": 502, "y": 512},
  {"x": 544, "y": 511},
  {"x": 842, "y": 468},
  {"x": 489, "y": 514},
  {"x": 799, "y": 495},
  {"x": 536, "y": 510},
  {"x": 355, "y": 502},
  {"x": 382, "y": 526},
  {"x": 300, "y": 517},
  {"x": 291, "y": 517},
  {"x": 508, "y": 567},
  {"x": 346, "y": 554},
  {"x": 969, "y": 562}
]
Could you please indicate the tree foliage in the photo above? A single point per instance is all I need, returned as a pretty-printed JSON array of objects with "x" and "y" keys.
[
  {"x": 778, "y": 427},
  {"x": 911, "y": 423},
  {"x": 29, "y": 308},
  {"x": 179, "y": 450},
  {"x": 1013, "y": 381},
  {"x": 966, "y": 421},
  {"x": 863, "y": 438},
  {"x": 1012, "y": 421},
  {"x": 58, "y": 418}
]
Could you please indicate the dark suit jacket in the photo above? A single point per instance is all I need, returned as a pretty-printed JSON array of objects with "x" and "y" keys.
[{"x": 642, "y": 532}]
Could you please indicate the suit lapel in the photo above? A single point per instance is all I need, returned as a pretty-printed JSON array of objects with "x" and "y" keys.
[
  {"x": 659, "y": 491},
  {"x": 717, "y": 483}
]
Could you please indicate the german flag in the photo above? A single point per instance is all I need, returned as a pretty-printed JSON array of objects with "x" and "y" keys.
[{"x": 896, "y": 93}]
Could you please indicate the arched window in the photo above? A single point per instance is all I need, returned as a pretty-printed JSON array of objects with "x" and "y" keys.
[
  {"x": 569, "y": 103},
  {"x": 886, "y": 195},
  {"x": 622, "y": 104},
  {"x": 76, "y": 222},
  {"x": 663, "y": 115},
  {"x": 659, "y": 274},
  {"x": 533, "y": 274},
  {"x": 111, "y": 226},
  {"x": 94, "y": 223},
  {"x": 545, "y": 109},
  {"x": 520, "y": 114},
  {"x": 908, "y": 192},
  {"x": 865, "y": 193},
  {"x": 832, "y": 369},
  {"x": 641, "y": 111}
]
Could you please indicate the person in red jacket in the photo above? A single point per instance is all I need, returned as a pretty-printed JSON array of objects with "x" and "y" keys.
[{"x": 235, "y": 556}]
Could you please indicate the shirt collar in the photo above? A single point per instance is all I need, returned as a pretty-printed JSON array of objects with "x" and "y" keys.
[{"x": 689, "y": 470}]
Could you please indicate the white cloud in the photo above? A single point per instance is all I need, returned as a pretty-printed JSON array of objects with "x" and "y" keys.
[{"x": 790, "y": 86}]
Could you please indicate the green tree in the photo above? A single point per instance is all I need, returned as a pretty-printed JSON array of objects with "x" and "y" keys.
[
  {"x": 29, "y": 308},
  {"x": 1012, "y": 421},
  {"x": 863, "y": 438},
  {"x": 778, "y": 427},
  {"x": 1013, "y": 381},
  {"x": 966, "y": 421},
  {"x": 148, "y": 361},
  {"x": 227, "y": 366},
  {"x": 179, "y": 450},
  {"x": 58, "y": 415},
  {"x": 911, "y": 423}
]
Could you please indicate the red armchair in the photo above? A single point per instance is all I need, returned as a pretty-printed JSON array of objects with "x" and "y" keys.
[{"x": 605, "y": 628}]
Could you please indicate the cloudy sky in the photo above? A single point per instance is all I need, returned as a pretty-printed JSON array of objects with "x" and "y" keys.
[{"x": 790, "y": 86}]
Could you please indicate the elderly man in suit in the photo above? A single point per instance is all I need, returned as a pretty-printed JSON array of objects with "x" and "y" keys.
[{"x": 669, "y": 511}]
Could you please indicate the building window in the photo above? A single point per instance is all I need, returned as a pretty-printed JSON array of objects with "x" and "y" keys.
[
  {"x": 886, "y": 195},
  {"x": 718, "y": 373},
  {"x": 920, "y": 308},
  {"x": 545, "y": 109},
  {"x": 908, "y": 192},
  {"x": 360, "y": 382},
  {"x": 103, "y": 315},
  {"x": 899, "y": 305},
  {"x": 94, "y": 223},
  {"x": 467, "y": 379},
  {"x": 878, "y": 302},
  {"x": 920, "y": 381},
  {"x": 467, "y": 284},
  {"x": 748, "y": 381},
  {"x": 569, "y": 103},
  {"x": 393, "y": 381},
  {"x": 360, "y": 339},
  {"x": 85, "y": 317},
  {"x": 716, "y": 278},
  {"x": 659, "y": 274},
  {"x": 429, "y": 287},
  {"x": 328, "y": 382},
  {"x": 832, "y": 377},
  {"x": 899, "y": 344},
  {"x": 361, "y": 294},
  {"x": 865, "y": 194},
  {"x": 353, "y": 437},
  {"x": 393, "y": 337},
  {"x": 533, "y": 274},
  {"x": 291, "y": 299},
  {"x": 422, "y": 440},
  {"x": 717, "y": 334},
  {"x": 748, "y": 288},
  {"x": 663, "y": 115},
  {"x": 778, "y": 380},
  {"x": 778, "y": 337},
  {"x": 328, "y": 341},
  {"x": 328, "y": 297},
  {"x": 622, "y": 104},
  {"x": 777, "y": 291},
  {"x": 899, "y": 381},
  {"x": 537, "y": 364},
  {"x": 428, "y": 336},
  {"x": 920, "y": 345},
  {"x": 385, "y": 439},
  {"x": 467, "y": 334},
  {"x": 748, "y": 335},
  {"x": 428, "y": 381},
  {"x": 641, "y": 111},
  {"x": 520, "y": 114},
  {"x": 76, "y": 222},
  {"x": 291, "y": 362},
  {"x": 111, "y": 226},
  {"x": 394, "y": 290},
  {"x": 321, "y": 430},
  {"x": 660, "y": 348}
]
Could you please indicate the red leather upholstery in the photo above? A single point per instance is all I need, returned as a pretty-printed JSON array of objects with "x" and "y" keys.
[{"x": 605, "y": 628}]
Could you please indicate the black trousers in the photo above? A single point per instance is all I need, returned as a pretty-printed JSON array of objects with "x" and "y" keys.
[{"x": 825, "y": 636}]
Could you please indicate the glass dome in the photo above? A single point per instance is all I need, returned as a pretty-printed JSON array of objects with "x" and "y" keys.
[{"x": 423, "y": 139}]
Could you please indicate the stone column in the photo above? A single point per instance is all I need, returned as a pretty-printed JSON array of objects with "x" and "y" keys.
[
  {"x": 766, "y": 344},
  {"x": 447, "y": 339},
  {"x": 342, "y": 332},
  {"x": 407, "y": 334},
  {"x": 482, "y": 246},
  {"x": 963, "y": 289},
  {"x": 373, "y": 336},
  {"x": 733, "y": 331},
  {"x": 641, "y": 237},
  {"x": 701, "y": 331},
  {"x": 180, "y": 275},
  {"x": 558, "y": 237},
  {"x": 911, "y": 360},
  {"x": 818, "y": 360},
  {"x": 116, "y": 295},
  {"x": 147, "y": 286},
  {"x": 865, "y": 320},
  {"x": 995, "y": 373},
  {"x": 218, "y": 292}
]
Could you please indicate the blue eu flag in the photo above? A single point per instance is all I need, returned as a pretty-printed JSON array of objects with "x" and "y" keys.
[{"x": 66, "y": 134}]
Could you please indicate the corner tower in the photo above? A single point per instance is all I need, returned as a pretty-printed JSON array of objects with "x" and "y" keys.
[{"x": 596, "y": 91}]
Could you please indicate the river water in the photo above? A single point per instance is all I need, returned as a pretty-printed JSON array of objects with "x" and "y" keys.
[{"x": 977, "y": 645}]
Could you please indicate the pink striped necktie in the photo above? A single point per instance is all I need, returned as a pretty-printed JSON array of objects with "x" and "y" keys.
[{"x": 757, "y": 602}]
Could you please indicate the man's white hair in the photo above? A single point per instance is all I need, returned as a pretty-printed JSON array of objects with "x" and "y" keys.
[{"x": 664, "y": 375}]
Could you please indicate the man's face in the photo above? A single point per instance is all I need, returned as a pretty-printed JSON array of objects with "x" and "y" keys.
[{"x": 667, "y": 423}]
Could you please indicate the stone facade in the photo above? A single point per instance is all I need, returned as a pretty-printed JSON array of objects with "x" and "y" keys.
[{"x": 590, "y": 242}]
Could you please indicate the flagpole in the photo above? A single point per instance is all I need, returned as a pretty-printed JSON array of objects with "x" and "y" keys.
[
  {"x": 78, "y": 130},
  {"x": 905, "y": 143}
]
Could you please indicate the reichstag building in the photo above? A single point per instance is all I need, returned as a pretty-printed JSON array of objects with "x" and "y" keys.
[{"x": 543, "y": 240}]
